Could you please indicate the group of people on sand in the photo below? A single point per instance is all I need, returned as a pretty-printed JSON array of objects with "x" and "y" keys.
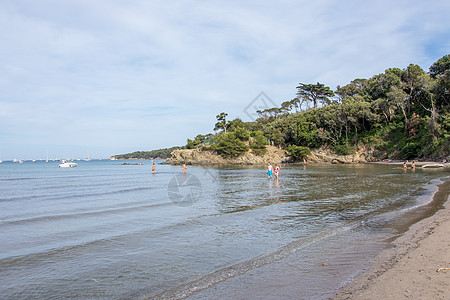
[{"x": 271, "y": 171}]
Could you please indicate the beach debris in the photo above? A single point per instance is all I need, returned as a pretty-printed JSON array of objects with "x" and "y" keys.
[{"x": 440, "y": 269}]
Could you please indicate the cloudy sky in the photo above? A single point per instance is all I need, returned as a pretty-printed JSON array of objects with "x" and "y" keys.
[{"x": 83, "y": 77}]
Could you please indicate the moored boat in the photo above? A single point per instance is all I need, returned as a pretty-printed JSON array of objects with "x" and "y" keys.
[{"x": 67, "y": 164}]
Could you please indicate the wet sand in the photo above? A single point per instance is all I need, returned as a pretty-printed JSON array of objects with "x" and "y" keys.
[{"x": 411, "y": 268}]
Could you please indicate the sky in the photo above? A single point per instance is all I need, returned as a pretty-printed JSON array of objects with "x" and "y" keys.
[{"x": 83, "y": 78}]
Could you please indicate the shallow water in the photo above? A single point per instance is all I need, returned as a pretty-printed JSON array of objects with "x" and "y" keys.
[{"x": 107, "y": 230}]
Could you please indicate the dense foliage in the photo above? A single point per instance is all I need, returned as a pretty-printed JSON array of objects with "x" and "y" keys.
[
  {"x": 160, "y": 153},
  {"x": 298, "y": 152},
  {"x": 401, "y": 113}
]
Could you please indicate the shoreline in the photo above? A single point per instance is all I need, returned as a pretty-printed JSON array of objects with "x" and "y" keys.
[
  {"x": 357, "y": 269},
  {"x": 408, "y": 269}
]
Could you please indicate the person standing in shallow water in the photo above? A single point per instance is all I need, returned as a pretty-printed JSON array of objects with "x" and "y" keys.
[
  {"x": 153, "y": 168},
  {"x": 277, "y": 170},
  {"x": 184, "y": 168},
  {"x": 269, "y": 170}
]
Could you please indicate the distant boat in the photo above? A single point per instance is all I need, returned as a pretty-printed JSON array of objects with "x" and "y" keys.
[
  {"x": 67, "y": 164},
  {"x": 88, "y": 157}
]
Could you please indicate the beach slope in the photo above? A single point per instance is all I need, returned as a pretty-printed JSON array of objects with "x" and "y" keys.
[{"x": 414, "y": 267}]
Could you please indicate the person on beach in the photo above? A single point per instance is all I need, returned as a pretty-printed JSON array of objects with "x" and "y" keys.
[
  {"x": 413, "y": 165},
  {"x": 405, "y": 166},
  {"x": 277, "y": 170},
  {"x": 269, "y": 170},
  {"x": 153, "y": 168},
  {"x": 184, "y": 168}
]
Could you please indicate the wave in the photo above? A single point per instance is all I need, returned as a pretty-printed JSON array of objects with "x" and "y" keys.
[
  {"x": 79, "y": 215},
  {"x": 61, "y": 196}
]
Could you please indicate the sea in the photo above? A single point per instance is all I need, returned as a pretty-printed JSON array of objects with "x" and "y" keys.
[{"x": 115, "y": 230}]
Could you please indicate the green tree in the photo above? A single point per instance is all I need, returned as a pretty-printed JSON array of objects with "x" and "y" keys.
[
  {"x": 228, "y": 145},
  {"x": 298, "y": 152},
  {"x": 315, "y": 93},
  {"x": 242, "y": 133},
  {"x": 222, "y": 123},
  {"x": 258, "y": 143},
  {"x": 415, "y": 80},
  {"x": 440, "y": 66}
]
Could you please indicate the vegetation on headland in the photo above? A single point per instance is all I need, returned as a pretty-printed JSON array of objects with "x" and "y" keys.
[
  {"x": 401, "y": 113},
  {"x": 160, "y": 153}
]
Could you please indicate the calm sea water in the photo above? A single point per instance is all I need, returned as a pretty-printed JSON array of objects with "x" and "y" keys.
[{"x": 105, "y": 230}]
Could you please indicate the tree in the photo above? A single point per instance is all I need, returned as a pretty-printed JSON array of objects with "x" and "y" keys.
[
  {"x": 242, "y": 133},
  {"x": 440, "y": 66},
  {"x": 286, "y": 106},
  {"x": 354, "y": 88},
  {"x": 258, "y": 143},
  {"x": 298, "y": 152},
  {"x": 399, "y": 98},
  {"x": 315, "y": 93},
  {"x": 228, "y": 145},
  {"x": 415, "y": 79},
  {"x": 221, "y": 122}
]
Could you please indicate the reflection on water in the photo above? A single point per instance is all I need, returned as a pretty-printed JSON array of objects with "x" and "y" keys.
[{"x": 103, "y": 229}]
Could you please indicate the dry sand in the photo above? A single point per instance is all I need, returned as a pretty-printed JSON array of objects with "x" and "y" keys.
[{"x": 409, "y": 270}]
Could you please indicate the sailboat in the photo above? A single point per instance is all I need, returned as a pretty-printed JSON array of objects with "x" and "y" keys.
[
  {"x": 88, "y": 158},
  {"x": 1, "y": 158}
]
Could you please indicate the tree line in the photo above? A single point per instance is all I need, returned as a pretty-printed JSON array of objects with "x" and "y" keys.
[
  {"x": 401, "y": 113},
  {"x": 159, "y": 153}
]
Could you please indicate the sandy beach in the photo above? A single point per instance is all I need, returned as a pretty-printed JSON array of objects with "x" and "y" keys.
[{"x": 415, "y": 266}]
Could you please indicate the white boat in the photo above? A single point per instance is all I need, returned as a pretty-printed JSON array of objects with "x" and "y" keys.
[{"x": 67, "y": 164}]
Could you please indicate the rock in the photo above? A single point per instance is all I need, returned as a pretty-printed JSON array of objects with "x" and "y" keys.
[{"x": 273, "y": 155}]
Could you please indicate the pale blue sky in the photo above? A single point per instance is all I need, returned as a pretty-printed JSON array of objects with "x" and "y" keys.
[{"x": 105, "y": 77}]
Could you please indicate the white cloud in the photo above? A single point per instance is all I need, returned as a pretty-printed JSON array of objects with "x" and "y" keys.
[{"x": 152, "y": 73}]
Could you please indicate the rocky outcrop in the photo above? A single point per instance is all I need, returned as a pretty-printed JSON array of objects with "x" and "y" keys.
[
  {"x": 273, "y": 155},
  {"x": 205, "y": 157},
  {"x": 325, "y": 155}
]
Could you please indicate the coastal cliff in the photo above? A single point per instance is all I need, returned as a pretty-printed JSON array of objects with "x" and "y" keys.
[{"x": 273, "y": 155}]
